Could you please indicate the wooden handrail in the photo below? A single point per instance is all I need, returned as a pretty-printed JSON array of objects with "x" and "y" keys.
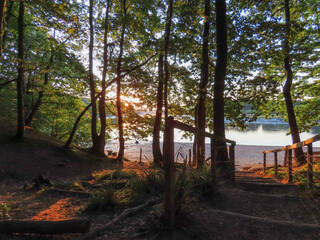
[
  {"x": 288, "y": 158},
  {"x": 296, "y": 145}
]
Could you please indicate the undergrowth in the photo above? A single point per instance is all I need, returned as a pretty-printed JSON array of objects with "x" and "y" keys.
[{"x": 127, "y": 188}]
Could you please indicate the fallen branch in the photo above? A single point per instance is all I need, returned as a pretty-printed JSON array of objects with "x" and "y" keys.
[
  {"x": 124, "y": 214},
  {"x": 45, "y": 227},
  {"x": 71, "y": 193}
]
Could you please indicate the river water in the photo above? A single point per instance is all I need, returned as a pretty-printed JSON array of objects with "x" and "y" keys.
[{"x": 259, "y": 136}]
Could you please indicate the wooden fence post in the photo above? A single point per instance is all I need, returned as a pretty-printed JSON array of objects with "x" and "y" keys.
[
  {"x": 140, "y": 155},
  {"x": 285, "y": 160},
  {"x": 275, "y": 164},
  {"x": 190, "y": 164},
  {"x": 169, "y": 191},
  {"x": 289, "y": 161},
  {"x": 232, "y": 161},
  {"x": 310, "y": 165},
  {"x": 264, "y": 163},
  {"x": 214, "y": 165}
]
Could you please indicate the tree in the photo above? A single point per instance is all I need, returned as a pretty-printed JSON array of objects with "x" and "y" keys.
[
  {"x": 201, "y": 106},
  {"x": 2, "y": 13},
  {"x": 219, "y": 78},
  {"x": 20, "y": 79},
  {"x": 299, "y": 156},
  {"x": 157, "y": 155},
  {"x": 119, "y": 110}
]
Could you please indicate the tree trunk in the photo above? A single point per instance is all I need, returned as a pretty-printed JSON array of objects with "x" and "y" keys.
[
  {"x": 20, "y": 80},
  {"x": 299, "y": 156},
  {"x": 203, "y": 85},
  {"x": 119, "y": 111},
  {"x": 157, "y": 155},
  {"x": 219, "y": 78},
  {"x": 94, "y": 134},
  {"x": 2, "y": 12},
  {"x": 166, "y": 48},
  {"x": 36, "y": 107},
  {"x": 100, "y": 143}
]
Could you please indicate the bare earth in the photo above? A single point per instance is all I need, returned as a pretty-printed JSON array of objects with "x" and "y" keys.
[{"x": 253, "y": 208}]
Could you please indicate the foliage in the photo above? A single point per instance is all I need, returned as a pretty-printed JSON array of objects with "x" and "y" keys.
[{"x": 4, "y": 211}]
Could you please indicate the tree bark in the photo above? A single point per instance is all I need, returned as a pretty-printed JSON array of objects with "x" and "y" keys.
[
  {"x": 203, "y": 85},
  {"x": 299, "y": 156},
  {"x": 98, "y": 146},
  {"x": 36, "y": 107},
  {"x": 119, "y": 110},
  {"x": 157, "y": 155},
  {"x": 219, "y": 78},
  {"x": 94, "y": 134},
  {"x": 45, "y": 227},
  {"x": 2, "y": 12},
  {"x": 166, "y": 49},
  {"x": 20, "y": 80}
]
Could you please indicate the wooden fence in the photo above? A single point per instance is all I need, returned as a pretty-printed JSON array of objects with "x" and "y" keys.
[
  {"x": 289, "y": 156},
  {"x": 168, "y": 153}
]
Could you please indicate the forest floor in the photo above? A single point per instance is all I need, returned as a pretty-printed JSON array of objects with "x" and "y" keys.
[{"x": 253, "y": 208}]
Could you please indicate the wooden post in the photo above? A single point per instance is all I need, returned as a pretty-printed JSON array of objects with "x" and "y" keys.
[
  {"x": 264, "y": 163},
  {"x": 285, "y": 160},
  {"x": 140, "y": 155},
  {"x": 232, "y": 162},
  {"x": 310, "y": 165},
  {"x": 275, "y": 164},
  {"x": 169, "y": 192},
  {"x": 289, "y": 161},
  {"x": 214, "y": 165},
  {"x": 190, "y": 157}
]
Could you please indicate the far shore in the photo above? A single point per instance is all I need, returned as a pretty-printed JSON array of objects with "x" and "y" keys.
[{"x": 244, "y": 154}]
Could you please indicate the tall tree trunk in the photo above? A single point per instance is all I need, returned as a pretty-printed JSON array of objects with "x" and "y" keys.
[
  {"x": 94, "y": 134},
  {"x": 166, "y": 48},
  {"x": 36, "y": 107},
  {"x": 299, "y": 157},
  {"x": 219, "y": 78},
  {"x": 101, "y": 139},
  {"x": 2, "y": 12},
  {"x": 20, "y": 80},
  {"x": 157, "y": 155},
  {"x": 203, "y": 85},
  {"x": 119, "y": 111}
]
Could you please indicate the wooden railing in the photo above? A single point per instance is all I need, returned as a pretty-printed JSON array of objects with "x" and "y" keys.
[
  {"x": 168, "y": 153},
  {"x": 289, "y": 156}
]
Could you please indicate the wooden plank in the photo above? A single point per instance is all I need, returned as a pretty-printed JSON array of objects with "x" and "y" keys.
[{"x": 296, "y": 145}]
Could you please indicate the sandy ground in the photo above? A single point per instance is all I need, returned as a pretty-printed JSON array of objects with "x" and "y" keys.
[{"x": 244, "y": 154}]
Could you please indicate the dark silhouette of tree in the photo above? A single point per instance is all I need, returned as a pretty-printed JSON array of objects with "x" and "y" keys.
[
  {"x": 219, "y": 85},
  {"x": 157, "y": 155},
  {"x": 299, "y": 156},
  {"x": 201, "y": 123},
  {"x": 119, "y": 110},
  {"x": 20, "y": 80}
]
